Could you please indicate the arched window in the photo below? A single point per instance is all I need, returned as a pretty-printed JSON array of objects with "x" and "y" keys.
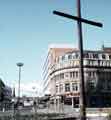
[{"x": 70, "y": 56}]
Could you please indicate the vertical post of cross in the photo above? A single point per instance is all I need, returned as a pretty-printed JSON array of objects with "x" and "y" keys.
[{"x": 81, "y": 69}]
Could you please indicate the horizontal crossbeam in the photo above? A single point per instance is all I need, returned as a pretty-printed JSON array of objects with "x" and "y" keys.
[{"x": 78, "y": 19}]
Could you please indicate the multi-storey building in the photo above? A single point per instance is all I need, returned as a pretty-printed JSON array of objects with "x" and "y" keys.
[
  {"x": 54, "y": 51},
  {"x": 63, "y": 80},
  {"x": 5, "y": 96}
]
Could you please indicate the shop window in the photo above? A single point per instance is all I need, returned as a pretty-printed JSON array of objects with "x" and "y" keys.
[{"x": 76, "y": 102}]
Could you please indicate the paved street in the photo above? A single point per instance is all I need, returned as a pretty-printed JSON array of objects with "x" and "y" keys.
[{"x": 93, "y": 114}]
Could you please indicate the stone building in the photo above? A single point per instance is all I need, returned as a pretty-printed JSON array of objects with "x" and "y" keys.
[{"x": 63, "y": 81}]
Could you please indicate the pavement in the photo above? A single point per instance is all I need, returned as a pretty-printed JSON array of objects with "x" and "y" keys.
[{"x": 92, "y": 113}]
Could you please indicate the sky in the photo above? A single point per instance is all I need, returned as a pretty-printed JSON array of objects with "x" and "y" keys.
[{"x": 27, "y": 27}]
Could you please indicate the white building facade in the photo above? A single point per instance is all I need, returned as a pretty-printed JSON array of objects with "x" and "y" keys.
[{"x": 64, "y": 81}]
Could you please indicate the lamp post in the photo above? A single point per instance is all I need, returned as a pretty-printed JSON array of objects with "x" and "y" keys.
[
  {"x": 19, "y": 65},
  {"x": 13, "y": 103},
  {"x": 35, "y": 101},
  {"x": 13, "y": 108}
]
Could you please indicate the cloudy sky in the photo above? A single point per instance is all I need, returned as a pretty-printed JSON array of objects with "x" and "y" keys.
[
  {"x": 27, "y": 27},
  {"x": 33, "y": 88}
]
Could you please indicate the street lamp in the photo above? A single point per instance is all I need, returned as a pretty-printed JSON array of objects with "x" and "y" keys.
[
  {"x": 19, "y": 65},
  {"x": 35, "y": 101}
]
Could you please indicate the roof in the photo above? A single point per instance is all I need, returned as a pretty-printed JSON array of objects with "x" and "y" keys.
[
  {"x": 107, "y": 49},
  {"x": 61, "y": 46}
]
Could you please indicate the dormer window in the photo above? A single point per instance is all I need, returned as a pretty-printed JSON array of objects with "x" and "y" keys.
[
  {"x": 95, "y": 55},
  {"x": 110, "y": 57},
  {"x": 76, "y": 55},
  {"x": 63, "y": 57},
  {"x": 69, "y": 56},
  {"x": 86, "y": 55},
  {"x": 73, "y": 55}
]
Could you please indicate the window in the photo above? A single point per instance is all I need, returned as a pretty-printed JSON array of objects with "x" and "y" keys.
[
  {"x": 76, "y": 74},
  {"x": 60, "y": 87},
  {"x": 56, "y": 77},
  {"x": 86, "y": 55},
  {"x": 95, "y": 62},
  {"x": 61, "y": 76},
  {"x": 108, "y": 63},
  {"x": 109, "y": 85},
  {"x": 72, "y": 74},
  {"x": 103, "y": 56},
  {"x": 74, "y": 87},
  {"x": 91, "y": 74},
  {"x": 109, "y": 76},
  {"x": 102, "y": 84},
  {"x": 109, "y": 56},
  {"x": 67, "y": 87},
  {"x": 69, "y": 56},
  {"x": 76, "y": 55},
  {"x": 95, "y": 55},
  {"x": 76, "y": 102},
  {"x": 73, "y": 55},
  {"x": 63, "y": 57},
  {"x": 92, "y": 84},
  {"x": 57, "y": 59},
  {"x": 66, "y": 75},
  {"x": 101, "y": 63},
  {"x": 57, "y": 89},
  {"x": 91, "y": 62},
  {"x": 104, "y": 63}
]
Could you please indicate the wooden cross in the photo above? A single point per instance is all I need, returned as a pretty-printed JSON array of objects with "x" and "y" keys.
[{"x": 80, "y": 20}]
